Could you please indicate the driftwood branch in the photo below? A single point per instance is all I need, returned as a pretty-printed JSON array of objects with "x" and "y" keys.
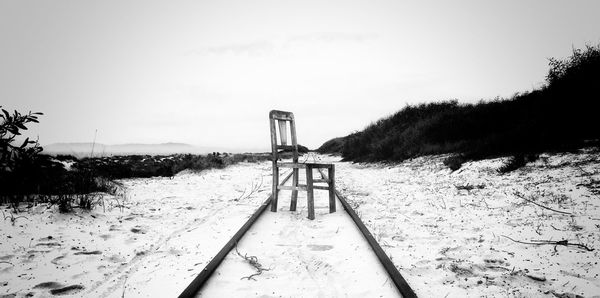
[
  {"x": 563, "y": 242},
  {"x": 540, "y": 205},
  {"x": 253, "y": 261}
]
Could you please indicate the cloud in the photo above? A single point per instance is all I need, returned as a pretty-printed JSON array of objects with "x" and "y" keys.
[
  {"x": 329, "y": 37},
  {"x": 263, "y": 47},
  {"x": 254, "y": 48}
]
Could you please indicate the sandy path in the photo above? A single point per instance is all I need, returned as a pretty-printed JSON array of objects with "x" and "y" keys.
[{"x": 326, "y": 257}]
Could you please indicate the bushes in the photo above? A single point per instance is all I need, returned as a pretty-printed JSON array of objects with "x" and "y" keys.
[
  {"x": 45, "y": 179},
  {"x": 16, "y": 159},
  {"x": 455, "y": 162},
  {"x": 27, "y": 175},
  {"x": 560, "y": 116}
]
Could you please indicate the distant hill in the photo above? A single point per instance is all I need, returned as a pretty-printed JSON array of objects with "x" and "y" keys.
[
  {"x": 562, "y": 115},
  {"x": 85, "y": 149}
]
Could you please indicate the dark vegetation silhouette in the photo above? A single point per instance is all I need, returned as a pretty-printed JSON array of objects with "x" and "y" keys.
[
  {"x": 561, "y": 116},
  {"x": 27, "y": 175}
]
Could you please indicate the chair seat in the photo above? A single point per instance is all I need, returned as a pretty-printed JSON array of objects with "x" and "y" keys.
[{"x": 304, "y": 165}]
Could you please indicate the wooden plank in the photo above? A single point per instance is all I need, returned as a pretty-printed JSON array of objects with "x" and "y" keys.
[
  {"x": 291, "y": 165},
  {"x": 304, "y": 165},
  {"x": 285, "y": 180},
  {"x": 331, "y": 185},
  {"x": 320, "y": 165},
  {"x": 273, "y": 139},
  {"x": 274, "y": 190},
  {"x": 301, "y": 187},
  {"x": 321, "y": 180},
  {"x": 274, "y": 159},
  {"x": 288, "y": 187},
  {"x": 320, "y": 187},
  {"x": 294, "y": 200},
  {"x": 286, "y": 147},
  {"x": 294, "y": 140},
  {"x": 194, "y": 287},
  {"x": 399, "y": 281},
  {"x": 281, "y": 115},
  {"x": 283, "y": 131},
  {"x": 310, "y": 193}
]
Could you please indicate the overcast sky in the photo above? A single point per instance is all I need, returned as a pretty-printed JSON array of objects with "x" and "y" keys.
[{"x": 208, "y": 72}]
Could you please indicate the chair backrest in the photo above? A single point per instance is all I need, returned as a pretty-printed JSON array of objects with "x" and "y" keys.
[{"x": 280, "y": 120}]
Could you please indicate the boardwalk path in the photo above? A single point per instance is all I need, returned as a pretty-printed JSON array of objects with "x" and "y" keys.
[
  {"x": 332, "y": 256},
  {"x": 327, "y": 257}
]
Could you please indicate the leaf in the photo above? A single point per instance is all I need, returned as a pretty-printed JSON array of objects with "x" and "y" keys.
[
  {"x": 6, "y": 114},
  {"x": 25, "y": 143},
  {"x": 21, "y": 126}
]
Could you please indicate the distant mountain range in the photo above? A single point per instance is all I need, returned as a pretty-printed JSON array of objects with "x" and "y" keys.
[{"x": 85, "y": 149}]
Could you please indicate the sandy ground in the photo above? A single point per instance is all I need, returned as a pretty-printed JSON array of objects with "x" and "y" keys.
[
  {"x": 325, "y": 257},
  {"x": 449, "y": 233},
  {"x": 168, "y": 231}
]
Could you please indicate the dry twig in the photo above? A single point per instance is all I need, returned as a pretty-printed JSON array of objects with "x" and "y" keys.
[
  {"x": 253, "y": 261},
  {"x": 539, "y": 205},
  {"x": 13, "y": 219},
  {"x": 563, "y": 242},
  {"x": 254, "y": 188}
]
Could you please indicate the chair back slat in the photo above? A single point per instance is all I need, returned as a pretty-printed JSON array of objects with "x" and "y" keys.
[
  {"x": 282, "y": 118},
  {"x": 283, "y": 131}
]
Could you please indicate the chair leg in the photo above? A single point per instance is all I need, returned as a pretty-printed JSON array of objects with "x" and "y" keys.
[
  {"x": 274, "y": 189},
  {"x": 331, "y": 174},
  {"x": 295, "y": 173},
  {"x": 309, "y": 193}
]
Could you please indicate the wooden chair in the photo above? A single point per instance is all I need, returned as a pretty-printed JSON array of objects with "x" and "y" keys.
[{"x": 280, "y": 120}]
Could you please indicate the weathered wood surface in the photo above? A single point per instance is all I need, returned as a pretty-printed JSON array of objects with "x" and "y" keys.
[
  {"x": 278, "y": 122},
  {"x": 331, "y": 184},
  {"x": 303, "y": 165},
  {"x": 301, "y": 187},
  {"x": 274, "y": 192},
  {"x": 283, "y": 131},
  {"x": 288, "y": 187},
  {"x": 321, "y": 180},
  {"x": 286, "y": 147},
  {"x": 293, "y": 203},
  {"x": 281, "y": 115},
  {"x": 310, "y": 193},
  {"x": 399, "y": 281}
]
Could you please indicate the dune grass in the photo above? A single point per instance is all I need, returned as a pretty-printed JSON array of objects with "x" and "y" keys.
[
  {"x": 44, "y": 178},
  {"x": 27, "y": 175},
  {"x": 561, "y": 116}
]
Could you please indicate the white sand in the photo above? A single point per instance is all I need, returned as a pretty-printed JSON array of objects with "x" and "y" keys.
[
  {"x": 325, "y": 257},
  {"x": 446, "y": 241},
  {"x": 449, "y": 242},
  {"x": 169, "y": 231}
]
